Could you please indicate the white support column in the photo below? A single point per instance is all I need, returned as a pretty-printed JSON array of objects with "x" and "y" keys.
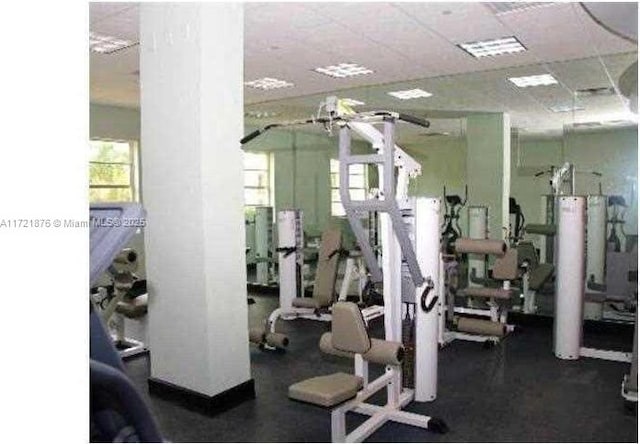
[
  {"x": 427, "y": 331},
  {"x": 192, "y": 121},
  {"x": 569, "y": 297}
]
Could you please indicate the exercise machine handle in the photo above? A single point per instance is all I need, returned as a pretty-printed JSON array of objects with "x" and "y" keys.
[
  {"x": 423, "y": 299},
  {"x": 415, "y": 120},
  {"x": 249, "y": 137},
  {"x": 286, "y": 250}
]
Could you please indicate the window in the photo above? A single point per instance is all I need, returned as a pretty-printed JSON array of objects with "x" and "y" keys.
[
  {"x": 113, "y": 175},
  {"x": 257, "y": 179},
  {"x": 357, "y": 185}
]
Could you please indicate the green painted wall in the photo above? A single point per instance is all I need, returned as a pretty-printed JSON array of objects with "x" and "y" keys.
[
  {"x": 301, "y": 164},
  {"x": 487, "y": 169}
]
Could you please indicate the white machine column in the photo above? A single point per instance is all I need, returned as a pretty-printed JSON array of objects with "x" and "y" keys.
[
  {"x": 596, "y": 237},
  {"x": 263, "y": 223},
  {"x": 428, "y": 255},
  {"x": 570, "y": 282},
  {"x": 193, "y": 193},
  {"x": 289, "y": 267},
  {"x": 478, "y": 219}
]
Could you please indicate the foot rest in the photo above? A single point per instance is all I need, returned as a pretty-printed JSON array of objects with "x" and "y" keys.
[{"x": 326, "y": 391}]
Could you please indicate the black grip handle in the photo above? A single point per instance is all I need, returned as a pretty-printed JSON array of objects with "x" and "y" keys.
[
  {"x": 286, "y": 250},
  {"x": 423, "y": 300},
  {"x": 249, "y": 137},
  {"x": 539, "y": 173},
  {"x": 415, "y": 120},
  {"x": 341, "y": 251}
]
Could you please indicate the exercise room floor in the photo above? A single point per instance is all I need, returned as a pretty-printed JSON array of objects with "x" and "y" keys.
[{"x": 517, "y": 391}]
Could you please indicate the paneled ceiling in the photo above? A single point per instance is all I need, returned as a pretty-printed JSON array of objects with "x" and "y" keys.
[{"x": 407, "y": 45}]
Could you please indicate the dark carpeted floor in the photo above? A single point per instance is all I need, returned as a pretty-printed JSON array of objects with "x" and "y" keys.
[{"x": 517, "y": 391}]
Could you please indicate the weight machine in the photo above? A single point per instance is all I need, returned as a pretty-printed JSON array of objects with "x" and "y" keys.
[
  {"x": 127, "y": 301},
  {"x": 409, "y": 253}
]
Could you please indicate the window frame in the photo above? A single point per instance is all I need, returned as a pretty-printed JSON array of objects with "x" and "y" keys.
[
  {"x": 269, "y": 184},
  {"x": 133, "y": 164},
  {"x": 364, "y": 188}
]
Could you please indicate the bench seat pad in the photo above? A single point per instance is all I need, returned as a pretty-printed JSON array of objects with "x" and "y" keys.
[{"x": 326, "y": 391}]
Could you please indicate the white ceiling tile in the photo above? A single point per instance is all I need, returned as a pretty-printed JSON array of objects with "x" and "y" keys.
[{"x": 408, "y": 45}]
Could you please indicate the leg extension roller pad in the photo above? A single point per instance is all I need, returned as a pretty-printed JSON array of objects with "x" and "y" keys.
[
  {"x": 257, "y": 335},
  {"x": 277, "y": 340},
  {"x": 481, "y": 326}
]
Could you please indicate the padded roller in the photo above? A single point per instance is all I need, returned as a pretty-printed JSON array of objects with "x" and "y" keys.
[
  {"x": 544, "y": 229},
  {"x": 306, "y": 303},
  {"x": 480, "y": 246},
  {"x": 277, "y": 340},
  {"x": 481, "y": 327},
  {"x": 482, "y": 292},
  {"x": 327, "y": 347},
  {"x": 256, "y": 335},
  {"x": 131, "y": 310},
  {"x": 381, "y": 352},
  {"x": 385, "y": 352}
]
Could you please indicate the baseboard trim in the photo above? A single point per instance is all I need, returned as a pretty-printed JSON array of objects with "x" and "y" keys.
[{"x": 209, "y": 405}]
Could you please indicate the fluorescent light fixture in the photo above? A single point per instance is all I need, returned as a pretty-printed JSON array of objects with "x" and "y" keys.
[
  {"x": 260, "y": 114},
  {"x": 267, "y": 83},
  {"x": 343, "y": 70},
  {"x": 105, "y": 44},
  {"x": 487, "y": 48},
  {"x": 352, "y": 102},
  {"x": 537, "y": 80},
  {"x": 566, "y": 108},
  {"x": 410, "y": 94}
]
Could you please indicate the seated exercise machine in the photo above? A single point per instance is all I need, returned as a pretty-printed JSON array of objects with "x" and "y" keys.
[
  {"x": 409, "y": 235},
  {"x": 118, "y": 412},
  {"x": 534, "y": 275},
  {"x": 127, "y": 301},
  {"x": 293, "y": 304},
  {"x": 467, "y": 322}
]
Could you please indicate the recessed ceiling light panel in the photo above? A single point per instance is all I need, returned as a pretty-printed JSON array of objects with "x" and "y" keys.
[
  {"x": 352, "y": 102},
  {"x": 537, "y": 80},
  {"x": 410, "y": 94},
  {"x": 500, "y": 8},
  {"x": 268, "y": 83},
  {"x": 487, "y": 48},
  {"x": 343, "y": 70},
  {"x": 566, "y": 108},
  {"x": 105, "y": 44}
]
